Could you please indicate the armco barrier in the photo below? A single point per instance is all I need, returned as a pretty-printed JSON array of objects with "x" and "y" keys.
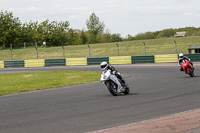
[
  {"x": 97, "y": 61},
  {"x": 166, "y": 58},
  {"x": 34, "y": 63},
  {"x": 55, "y": 62},
  {"x": 120, "y": 60},
  {"x": 1, "y": 64},
  {"x": 76, "y": 61},
  {"x": 193, "y": 57},
  {"x": 142, "y": 59},
  {"x": 18, "y": 63}
]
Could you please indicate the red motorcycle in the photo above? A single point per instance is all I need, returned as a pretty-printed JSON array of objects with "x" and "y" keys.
[{"x": 188, "y": 68}]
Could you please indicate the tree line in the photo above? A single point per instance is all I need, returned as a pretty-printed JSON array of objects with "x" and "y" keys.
[
  {"x": 166, "y": 33},
  {"x": 16, "y": 34},
  {"x": 13, "y": 33}
]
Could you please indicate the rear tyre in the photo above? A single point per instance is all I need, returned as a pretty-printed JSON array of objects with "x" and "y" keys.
[
  {"x": 191, "y": 73},
  {"x": 127, "y": 90},
  {"x": 112, "y": 87}
]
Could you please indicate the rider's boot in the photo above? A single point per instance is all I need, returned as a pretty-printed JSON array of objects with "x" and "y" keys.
[
  {"x": 181, "y": 69},
  {"x": 123, "y": 86},
  {"x": 119, "y": 90},
  {"x": 119, "y": 86},
  {"x": 122, "y": 81}
]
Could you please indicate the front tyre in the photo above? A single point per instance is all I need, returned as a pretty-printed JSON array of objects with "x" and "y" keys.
[
  {"x": 191, "y": 73},
  {"x": 112, "y": 87}
]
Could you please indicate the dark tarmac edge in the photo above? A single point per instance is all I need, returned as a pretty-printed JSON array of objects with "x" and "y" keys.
[{"x": 183, "y": 122}]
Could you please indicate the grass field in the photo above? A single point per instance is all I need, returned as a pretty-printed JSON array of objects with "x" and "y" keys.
[
  {"x": 130, "y": 48},
  {"x": 29, "y": 81}
]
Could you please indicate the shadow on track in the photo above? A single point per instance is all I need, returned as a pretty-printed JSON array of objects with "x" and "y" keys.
[
  {"x": 195, "y": 76},
  {"x": 130, "y": 94}
]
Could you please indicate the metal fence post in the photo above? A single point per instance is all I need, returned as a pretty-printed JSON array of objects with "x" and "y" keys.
[
  {"x": 175, "y": 47},
  {"x": 144, "y": 48},
  {"x": 89, "y": 50},
  {"x": 117, "y": 49},
  {"x": 63, "y": 51},
  {"x": 36, "y": 52},
  {"x": 11, "y": 54}
]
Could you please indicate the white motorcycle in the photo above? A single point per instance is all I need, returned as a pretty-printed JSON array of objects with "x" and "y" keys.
[{"x": 113, "y": 84}]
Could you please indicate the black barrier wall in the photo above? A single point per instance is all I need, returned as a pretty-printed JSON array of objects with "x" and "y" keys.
[
  {"x": 18, "y": 63},
  {"x": 97, "y": 61},
  {"x": 142, "y": 59},
  {"x": 55, "y": 62}
]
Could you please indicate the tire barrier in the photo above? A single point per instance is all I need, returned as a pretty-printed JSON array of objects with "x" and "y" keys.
[
  {"x": 193, "y": 57},
  {"x": 17, "y": 63},
  {"x": 1, "y": 64},
  {"x": 97, "y": 60},
  {"x": 166, "y": 58},
  {"x": 142, "y": 59},
  {"x": 34, "y": 63},
  {"x": 55, "y": 62},
  {"x": 76, "y": 61},
  {"x": 120, "y": 60}
]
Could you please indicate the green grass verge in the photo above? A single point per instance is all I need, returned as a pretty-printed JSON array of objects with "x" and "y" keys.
[
  {"x": 129, "y": 48},
  {"x": 29, "y": 81}
]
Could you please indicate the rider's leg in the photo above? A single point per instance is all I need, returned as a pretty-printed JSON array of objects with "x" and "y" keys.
[
  {"x": 121, "y": 79},
  {"x": 181, "y": 69}
]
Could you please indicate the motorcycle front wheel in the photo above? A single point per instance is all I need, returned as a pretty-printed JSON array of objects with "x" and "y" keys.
[{"x": 112, "y": 87}]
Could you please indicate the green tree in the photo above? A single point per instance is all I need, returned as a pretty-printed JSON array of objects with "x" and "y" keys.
[
  {"x": 166, "y": 33},
  {"x": 36, "y": 31},
  {"x": 44, "y": 31},
  {"x": 83, "y": 37},
  {"x": 25, "y": 34},
  {"x": 106, "y": 38},
  {"x": 9, "y": 29},
  {"x": 116, "y": 38},
  {"x": 95, "y": 28},
  {"x": 58, "y": 33}
]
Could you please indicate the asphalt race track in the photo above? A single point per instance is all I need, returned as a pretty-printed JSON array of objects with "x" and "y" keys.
[{"x": 156, "y": 90}]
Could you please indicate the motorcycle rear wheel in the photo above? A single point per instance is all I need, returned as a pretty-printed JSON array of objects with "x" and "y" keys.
[
  {"x": 191, "y": 73},
  {"x": 127, "y": 90}
]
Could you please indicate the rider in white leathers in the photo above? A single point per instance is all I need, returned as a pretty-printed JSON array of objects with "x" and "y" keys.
[{"x": 104, "y": 66}]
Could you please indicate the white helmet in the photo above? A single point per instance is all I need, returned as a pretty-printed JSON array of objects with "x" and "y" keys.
[
  {"x": 104, "y": 65},
  {"x": 181, "y": 55}
]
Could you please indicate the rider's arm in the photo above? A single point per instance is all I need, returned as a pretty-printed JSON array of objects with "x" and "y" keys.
[
  {"x": 113, "y": 69},
  {"x": 185, "y": 57},
  {"x": 179, "y": 61}
]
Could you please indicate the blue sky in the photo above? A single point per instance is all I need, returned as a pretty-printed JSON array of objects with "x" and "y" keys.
[{"x": 119, "y": 16}]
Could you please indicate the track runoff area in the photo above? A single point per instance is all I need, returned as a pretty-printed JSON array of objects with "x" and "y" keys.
[
  {"x": 183, "y": 122},
  {"x": 162, "y": 99}
]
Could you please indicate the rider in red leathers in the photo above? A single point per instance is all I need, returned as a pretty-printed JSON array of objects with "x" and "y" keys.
[{"x": 181, "y": 58}]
